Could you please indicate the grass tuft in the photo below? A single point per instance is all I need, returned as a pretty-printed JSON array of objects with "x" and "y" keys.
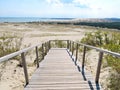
[{"x": 109, "y": 41}]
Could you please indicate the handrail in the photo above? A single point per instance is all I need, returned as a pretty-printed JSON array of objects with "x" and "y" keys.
[
  {"x": 5, "y": 58},
  {"x": 101, "y": 54},
  {"x": 22, "y": 52},
  {"x": 70, "y": 45},
  {"x": 99, "y": 49}
]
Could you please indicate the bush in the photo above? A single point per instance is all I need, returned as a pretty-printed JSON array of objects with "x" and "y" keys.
[
  {"x": 109, "y": 41},
  {"x": 114, "y": 82},
  {"x": 9, "y": 43},
  {"x": 94, "y": 39},
  {"x": 59, "y": 44}
]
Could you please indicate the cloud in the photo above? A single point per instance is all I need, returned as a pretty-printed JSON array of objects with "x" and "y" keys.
[
  {"x": 83, "y": 8},
  {"x": 68, "y": 3},
  {"x": 71, "y": 8},
  {"x": 82, "y": 2},
  {"x": 93, "y": 4},
  {"x": 61, "y": 8},
  {"x": 59, "y": 1},
  {"x": 56, "y": 3}
]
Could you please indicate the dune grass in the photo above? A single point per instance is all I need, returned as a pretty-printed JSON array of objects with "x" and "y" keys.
[
  {"x": 109, "y": 41},
  {"x": 9, "y": 43}
]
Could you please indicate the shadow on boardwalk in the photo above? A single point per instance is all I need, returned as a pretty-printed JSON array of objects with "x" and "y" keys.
[{"x": 82, "y": 71}]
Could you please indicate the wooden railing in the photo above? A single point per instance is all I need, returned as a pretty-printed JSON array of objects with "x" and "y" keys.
[
  {"x": 70, "y": 45},
  {"x": 101, "y": 54},
  {"x": 22, "y": 52}
]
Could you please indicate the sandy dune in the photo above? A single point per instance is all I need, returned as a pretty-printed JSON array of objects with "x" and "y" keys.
[{"x": 12, "y": 76}]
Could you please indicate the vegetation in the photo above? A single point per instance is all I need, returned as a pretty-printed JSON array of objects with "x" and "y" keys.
[
  {"x": 59, "y": 44},
  {"x": 112, "y": 25},
  {"x": 110, "y": 41},
  {"x": 9, "y": 43},
  {"x": 94, "y": 39}
]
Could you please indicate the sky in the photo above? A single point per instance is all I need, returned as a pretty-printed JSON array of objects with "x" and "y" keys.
[{"x": 60, "y": 8}]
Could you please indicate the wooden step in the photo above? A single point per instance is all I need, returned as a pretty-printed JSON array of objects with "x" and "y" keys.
[{"x": 58, "y": 72}]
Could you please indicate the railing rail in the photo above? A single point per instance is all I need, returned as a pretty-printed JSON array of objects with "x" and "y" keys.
[
  {"x": 100, "y": 50},
  {"x": 101, "y": 54},
  {"x": 69, "y": 45},
  {"x": 22, "y": 52},
  {"x": 9, "y": 56}
]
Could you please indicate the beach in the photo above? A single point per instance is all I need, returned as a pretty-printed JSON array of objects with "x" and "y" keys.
[
  {"x": 11, "y": 75},
  {"x": 89, "y": 30}
]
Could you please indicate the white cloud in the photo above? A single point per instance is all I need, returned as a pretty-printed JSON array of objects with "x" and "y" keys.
[
  {"x": 93, "y": 4},
  {"x": 82, "y": 2},
  {"x": 84, "y": 8},
  {"x": 56, "y": 3},
  {"x": 61, "y": 8}
]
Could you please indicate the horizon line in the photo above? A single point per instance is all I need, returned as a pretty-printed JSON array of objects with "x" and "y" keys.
[{"x": 58, "y": 17}]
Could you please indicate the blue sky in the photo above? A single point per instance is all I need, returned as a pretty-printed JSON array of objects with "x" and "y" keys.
[{"x": 60, "y": 8}]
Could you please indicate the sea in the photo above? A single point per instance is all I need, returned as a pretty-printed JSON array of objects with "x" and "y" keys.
[{"x": 30, "y": 19}]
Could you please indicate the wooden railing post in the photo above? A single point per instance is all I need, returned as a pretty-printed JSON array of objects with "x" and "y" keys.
[
  {"x": 72, "y": 48},
  {"x": 49, "y": 44},
  {"x": 99, "y": 67},
  {"x": 76, "y": 54},
  {"x": 84, "y": 52},
  {"x": 45, "y": 48},
  {"x": 43, "y": 51},
  {"x": 37, "y": 56},
  {"x": 25, "y": 67},
  {"x": 67, "y": 44}
]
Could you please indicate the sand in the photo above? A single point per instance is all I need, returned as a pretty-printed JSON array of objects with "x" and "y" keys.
[{"x": 12, "y": 76}]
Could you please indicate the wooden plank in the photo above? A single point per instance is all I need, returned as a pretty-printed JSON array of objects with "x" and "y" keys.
[
  {"x": 58, "y": 82},
  {"x": 58, "y": 72},
  {"x": 61, "y": 86},
  {"x": 56, "y": 87}
]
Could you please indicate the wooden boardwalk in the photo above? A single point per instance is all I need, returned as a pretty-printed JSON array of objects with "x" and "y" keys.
[{"x": 58, "y": 72}]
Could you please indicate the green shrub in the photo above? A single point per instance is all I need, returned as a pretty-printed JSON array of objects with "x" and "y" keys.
[
  {"x": 94, "y": 39},
  {"x": 109, "y": 41},
  {"x": 9, "y": 43},
  {"x": 59, "y": 44},
  {"x": 113, "y": 62},
  {"x": 114, "y": 82}
]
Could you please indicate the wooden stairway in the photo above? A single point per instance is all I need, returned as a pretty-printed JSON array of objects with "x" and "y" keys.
[{"x": 58, "y": 72}]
